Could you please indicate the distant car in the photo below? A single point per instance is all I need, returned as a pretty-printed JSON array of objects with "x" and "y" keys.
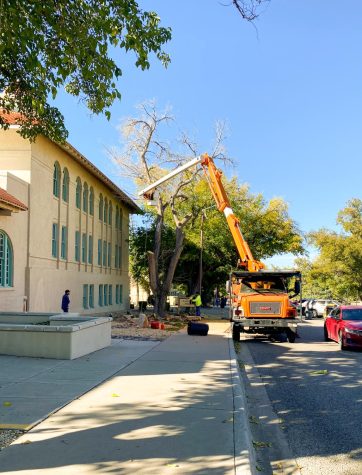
[
  {"x": 318, "y": 306},
  {"x": 344, "y": 325}
]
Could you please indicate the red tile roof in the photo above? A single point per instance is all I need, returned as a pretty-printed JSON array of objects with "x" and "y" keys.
[
  {"x": 9, "y": 199},
  {"x": 11, "y": 118}
]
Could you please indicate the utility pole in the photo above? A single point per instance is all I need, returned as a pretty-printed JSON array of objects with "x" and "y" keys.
[{"x": 201, "y": 248}]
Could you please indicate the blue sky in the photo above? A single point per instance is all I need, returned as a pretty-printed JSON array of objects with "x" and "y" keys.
[{"x": 290, "y": 93}]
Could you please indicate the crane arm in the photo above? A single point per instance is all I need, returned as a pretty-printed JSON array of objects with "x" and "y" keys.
[{"x": 213, "y": 177}]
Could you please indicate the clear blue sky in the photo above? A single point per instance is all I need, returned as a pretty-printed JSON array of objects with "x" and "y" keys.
[{"x": 290, "y": 92}]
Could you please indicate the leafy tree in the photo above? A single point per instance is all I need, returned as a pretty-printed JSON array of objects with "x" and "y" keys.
[
  {"x": 337, "y": 271},
  {"x": 47, "y": 45}
]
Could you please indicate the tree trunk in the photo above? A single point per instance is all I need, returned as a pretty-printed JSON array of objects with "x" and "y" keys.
[{"x": 162, "y": 289}]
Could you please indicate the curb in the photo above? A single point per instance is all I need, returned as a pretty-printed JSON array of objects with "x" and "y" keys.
[{"x": 245, "y": 459}]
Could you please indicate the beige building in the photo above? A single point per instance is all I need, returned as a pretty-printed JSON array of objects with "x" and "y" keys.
[{"x": 63, "y": 225}]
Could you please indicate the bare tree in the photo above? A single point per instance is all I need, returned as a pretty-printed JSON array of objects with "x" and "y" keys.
[{"x": 145, "y": 159}]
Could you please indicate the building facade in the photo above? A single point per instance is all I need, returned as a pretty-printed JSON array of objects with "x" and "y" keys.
[{"x": 68, "y": 228}]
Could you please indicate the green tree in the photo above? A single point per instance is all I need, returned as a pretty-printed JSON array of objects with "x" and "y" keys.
[
  {"x": 337, "y": 271},
  {"x": 70, "y": 44}
]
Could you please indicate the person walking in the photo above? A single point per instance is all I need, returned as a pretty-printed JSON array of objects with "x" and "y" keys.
[
  {"x": 66, "y": 301},
  {"x": 197, "y": 301}
]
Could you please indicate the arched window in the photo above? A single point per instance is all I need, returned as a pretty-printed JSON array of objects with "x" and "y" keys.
[
  {"x": 117, "y": 217},
  {"x": 120, "y": 219},
  {"x": 6, "y": 261},
  {"x": 100, "y": 214},
  {"x": 105, "y": 218},
  {"x": 78, "y": 193},
  {"x": 65, "y": 187},
  {"x": 91, "y": 201},
  {"x": 56, "y": 180},
  {"x": 110, "y": 210},
  {"x": 85, "y": 197}
]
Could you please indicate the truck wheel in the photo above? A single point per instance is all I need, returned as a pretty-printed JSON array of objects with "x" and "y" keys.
[
  {"x": 315, "y": 313},
  {"x": 291, "y": 336},
  {"x": 326, "y": 337},
  {"x": 236, "y": 333}
]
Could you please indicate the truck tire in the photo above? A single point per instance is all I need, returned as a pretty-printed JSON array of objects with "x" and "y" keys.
[
  {"x": 326, "y": 337},
  {"x": 291, "y": 336},
  {"x": 236, "y": 332}
]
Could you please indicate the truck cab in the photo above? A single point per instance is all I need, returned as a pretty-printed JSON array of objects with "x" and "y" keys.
[{"x": 261, "y": 302}]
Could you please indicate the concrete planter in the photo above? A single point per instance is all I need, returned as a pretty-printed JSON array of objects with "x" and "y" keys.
[{"x": 53, "y": 336}]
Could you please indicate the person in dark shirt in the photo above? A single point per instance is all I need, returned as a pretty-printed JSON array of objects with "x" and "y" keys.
[{"x": 66, "y": 301}]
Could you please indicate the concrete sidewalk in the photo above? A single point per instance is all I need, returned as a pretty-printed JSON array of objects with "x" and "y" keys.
[{"x": 178, "y": 408}]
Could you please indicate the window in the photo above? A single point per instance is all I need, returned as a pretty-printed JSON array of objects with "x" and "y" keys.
[
  {"x": 119, "y": 263},
  {"x": 85, "y": 296},
  {"x": 110, "y": 211},
  {"x": 65, "y": 187},
  {"x": 117, "y": 294},
  {"x": 91, "y": 296},
  {"x": 84, "y": 247},
  {"x": 100, "y": 210},
  {"x": 105, "y": 294},
  {"x": 120, "y": 220},
  {"x": 90, "y": 250},
  {"x": 77, "y": 246},
  {"x": 105, "y": 217},
  {"x": 110, "y": 295},
  {"x": 55, "y": 240},
  {"x": 91, "y": 201},
  {"x": 104, "y": 253},
  {"x": 120, "y": 293},
  {"x": 6, "y": 261},
  {"x": 78, "y": 193},
  {"x": 63, "y": 244},
  {"x": 99, "y": 252},
  {"x": 100, "y": 295},
  {"x": 109, "y": 254},
  {"x": 56, "y": 180},
  {"x": 117, "y": 217},
  {"x": 85, "y": 198},
  {"x": 116, "y": 256}
]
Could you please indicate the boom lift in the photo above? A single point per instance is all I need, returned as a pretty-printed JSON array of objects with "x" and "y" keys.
[{"x": 259, "y": 300}]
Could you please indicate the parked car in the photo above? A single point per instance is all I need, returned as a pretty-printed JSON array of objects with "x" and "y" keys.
[
  {"x": 344, "y": 325},
  {"x": 318, "y": 306}
]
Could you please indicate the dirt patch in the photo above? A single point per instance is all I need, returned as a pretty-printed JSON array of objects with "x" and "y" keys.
[{"x": 132, "y": 327}]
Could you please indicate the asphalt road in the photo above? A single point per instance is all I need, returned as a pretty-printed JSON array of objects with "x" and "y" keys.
[{"x": 305, "y": 403}]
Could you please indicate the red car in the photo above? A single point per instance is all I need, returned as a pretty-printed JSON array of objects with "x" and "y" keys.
[{"x": 344, "y": 325}]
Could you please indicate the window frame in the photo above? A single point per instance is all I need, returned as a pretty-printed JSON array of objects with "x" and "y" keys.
[
  {"x": 56, "y": 179},
  {"x": 85, "y": 296},
  {"x": 90, "y": 249},
  {"x": 64, "y": 243},
  {"x": 65, "y": 186},
  {"x": 6, "y": 261},
  {"x": 85, "y": 197},
  {"x": 77, "y": 246},
  {"x": 91, "y": 296},
  {"x": 78, "y": 194},
  {"x": 91, "y": 201},
  {"x": 100, "y": 207},
  {"x": 55, "y": 240}
]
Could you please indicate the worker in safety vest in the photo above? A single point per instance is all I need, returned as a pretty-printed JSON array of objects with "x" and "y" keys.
[{"x": 196, "y": 299}]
